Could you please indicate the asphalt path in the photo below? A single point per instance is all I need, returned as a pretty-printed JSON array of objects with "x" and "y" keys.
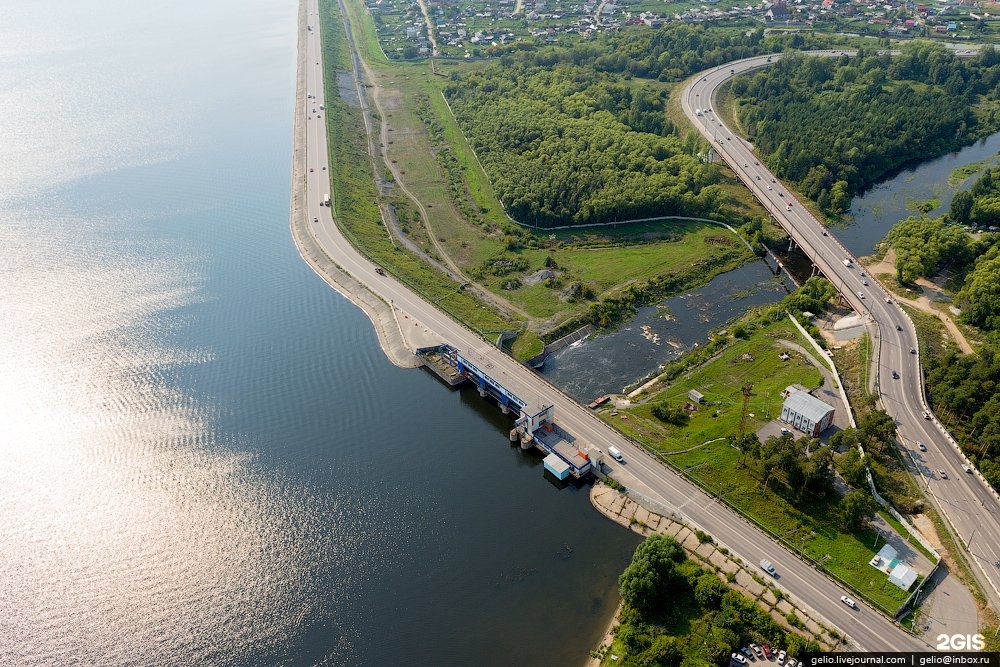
[
  {"x": 867, "y": 628},
  {"x": 967, "y": 503}
]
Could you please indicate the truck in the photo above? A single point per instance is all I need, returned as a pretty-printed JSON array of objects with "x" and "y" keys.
[
  {"x": 848, "y": 262},
  {"x": 326, "y": 200}
]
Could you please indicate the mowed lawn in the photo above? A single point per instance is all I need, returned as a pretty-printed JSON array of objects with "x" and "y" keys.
[{"x": 701, "y": 448}]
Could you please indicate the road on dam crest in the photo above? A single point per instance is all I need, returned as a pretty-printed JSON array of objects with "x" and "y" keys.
[{"x": 867, "y": 628}]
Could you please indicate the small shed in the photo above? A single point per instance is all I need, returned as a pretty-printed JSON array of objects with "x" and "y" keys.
[
  {"x": 902, "y": 576},
  {"x": 696, "y": 396},
  {"x": 807, "y": 413},
  {"x": 555, "y": 465}
]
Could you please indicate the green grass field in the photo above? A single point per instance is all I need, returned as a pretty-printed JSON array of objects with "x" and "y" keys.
[{"x": 702, "y": 450}]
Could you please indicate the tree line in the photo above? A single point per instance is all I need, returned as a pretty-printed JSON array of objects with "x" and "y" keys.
[
  {"x": 964, "y": 390},
  {"x": 835, "y": 126}
]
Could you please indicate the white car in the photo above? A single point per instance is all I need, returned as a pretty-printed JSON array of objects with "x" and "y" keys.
[
  {"x": 848, "y": 601},
  {"x": 781, "y": 657},
  {"x": 737, "y": 658}
]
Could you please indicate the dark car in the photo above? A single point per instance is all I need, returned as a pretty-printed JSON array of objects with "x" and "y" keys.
[{"x": 895, "y": 375}]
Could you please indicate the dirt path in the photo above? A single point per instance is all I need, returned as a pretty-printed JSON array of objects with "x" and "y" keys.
[
  {"x": 365, "y": 77},
  {"x": 923, "y": 302},
  {"x": 430, "y": 27}
]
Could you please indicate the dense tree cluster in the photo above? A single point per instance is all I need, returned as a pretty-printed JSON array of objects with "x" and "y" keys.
[
  {"x": 836, "y": 126},
  {"x": 669, "y": 53},
  {"x": 965, "y": 392},
  {"x": 663, "y": 591},
  {"x": 813, "y": 296},
  {"x": 799, "y": 466},
  {"x": 924, "y": 246},
  {"x": 963, "y": 389},
  {"x": 571, "y": 145}
]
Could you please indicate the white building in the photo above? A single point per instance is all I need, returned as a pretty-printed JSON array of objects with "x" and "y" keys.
[{"x": 807, "y": 413}]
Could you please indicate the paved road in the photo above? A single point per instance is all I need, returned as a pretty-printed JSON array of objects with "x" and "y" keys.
[
  {"x": 967, "y": 503},
  {"x": 863, "y": 625}
]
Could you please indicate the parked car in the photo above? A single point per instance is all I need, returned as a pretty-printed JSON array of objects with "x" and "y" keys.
[
  {"x": 781, "y": 657},
  {"x": 738, "y": 659},
  {"x": 767, "y": 651},
  {"x": 848, "y": 601},
  {"x": 792, "y": 662},
  {"x": 748, "y": 653},
  {"x": 756, "y": 650}
]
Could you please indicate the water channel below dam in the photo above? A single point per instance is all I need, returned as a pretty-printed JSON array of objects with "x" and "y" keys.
[{"x": 609, "y": 361}]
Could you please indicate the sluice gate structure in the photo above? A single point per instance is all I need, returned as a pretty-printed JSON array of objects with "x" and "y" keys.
[{"x": 534, "y": 426}]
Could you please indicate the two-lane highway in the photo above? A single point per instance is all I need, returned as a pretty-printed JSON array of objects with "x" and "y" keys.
[{"x": 967, "y": 503}]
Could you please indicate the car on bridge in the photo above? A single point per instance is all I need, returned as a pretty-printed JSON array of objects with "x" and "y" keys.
[
  {"x": 848, "y": 601},
  {"x": 921, "y": 446},
  {"x": 943, "y": 474}
]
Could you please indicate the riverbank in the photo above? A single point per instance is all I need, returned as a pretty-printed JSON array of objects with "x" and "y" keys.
[
  {"x": 381, "y": 314},
  {"x": 736, "y": 574}
]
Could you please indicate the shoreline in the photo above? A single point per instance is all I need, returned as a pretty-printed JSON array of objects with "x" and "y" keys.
[
  {"x": 628, "y": 513},
  {"x": 380, "y": 313}
]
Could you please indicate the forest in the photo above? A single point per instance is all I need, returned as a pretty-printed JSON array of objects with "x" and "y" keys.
[
  {"x": 571, "y": 145},
  {"x": 676, "y": 612},
  {"x": 964, "y": 390},
  {"x": 567, "y": 137},
  {"x": 670, "y": 53},
  {"x": 835, "y": 126}
]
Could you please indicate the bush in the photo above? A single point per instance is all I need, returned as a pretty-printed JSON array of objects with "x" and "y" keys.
[{"x": 675, "y": 415}]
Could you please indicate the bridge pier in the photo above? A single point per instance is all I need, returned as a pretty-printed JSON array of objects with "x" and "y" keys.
[
  {"x": 791, "y": 244},
  {"x": 814, "y": 271}
]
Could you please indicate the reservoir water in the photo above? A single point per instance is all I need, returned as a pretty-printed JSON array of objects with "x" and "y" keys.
[{"x": 206, "y": 457}]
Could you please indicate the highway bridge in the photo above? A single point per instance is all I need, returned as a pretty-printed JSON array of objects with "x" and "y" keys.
[{"x": 966, "y": 501}]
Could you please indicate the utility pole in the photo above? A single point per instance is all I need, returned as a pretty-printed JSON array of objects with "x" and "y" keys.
[{"x": 747, "y": 388}]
